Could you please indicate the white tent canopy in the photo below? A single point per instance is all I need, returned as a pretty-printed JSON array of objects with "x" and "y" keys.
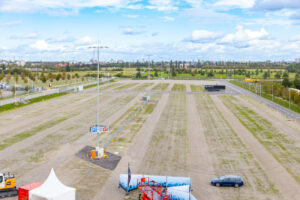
[{"x": 52, "y": 189}]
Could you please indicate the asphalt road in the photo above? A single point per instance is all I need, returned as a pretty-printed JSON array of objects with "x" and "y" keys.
[{"x": 284, "y": 111}]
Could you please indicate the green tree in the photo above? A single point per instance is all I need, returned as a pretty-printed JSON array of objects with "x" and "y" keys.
[
  {"x": 278, "y": 75},
  {"x": 297, "y": 83},
  {"x": 294, "y": 67},
  {"x": 16, "y": 77},
  {"x": 286, "y": 82},
  {"x": 210, "y": 73},
  {"x": 265, "y": 75},
  {"x": 138, "y": 75},
  {"x": 68, "y": 69},
  {"x": 43, "y": 78},
  {"x": 57, "y": 77},
  {"x": 173, "y": 72}
]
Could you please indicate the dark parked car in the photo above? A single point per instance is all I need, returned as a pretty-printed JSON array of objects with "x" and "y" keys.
[{"x": 228, "y": 180}]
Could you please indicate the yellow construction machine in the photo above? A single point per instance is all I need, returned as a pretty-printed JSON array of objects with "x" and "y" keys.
[{"x": 8, "y": 185}]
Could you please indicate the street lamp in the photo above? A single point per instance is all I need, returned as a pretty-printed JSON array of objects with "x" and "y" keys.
[{"x": 100, "y": 151}]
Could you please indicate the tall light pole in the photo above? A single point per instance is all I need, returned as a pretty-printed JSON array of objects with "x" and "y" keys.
[
  {"x": 100, "y": 151},
  {"x": 289, "y": 98},
  {"x": 260, "y": 88}
]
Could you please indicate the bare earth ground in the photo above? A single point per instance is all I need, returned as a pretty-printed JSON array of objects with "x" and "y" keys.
[
  {"x": 231, "y": 156},
  {"x": 287, "y": 186},
  {"x": 197, "y": 135},
  {"x": 277, "y": 119},
  {"x": 134, "y": 154},
  {"x": 200, "y": 166}
]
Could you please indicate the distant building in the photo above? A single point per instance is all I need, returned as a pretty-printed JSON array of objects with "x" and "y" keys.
[
  {"x": 21, "y": 63},
  {"x": 297, "y": 60}
]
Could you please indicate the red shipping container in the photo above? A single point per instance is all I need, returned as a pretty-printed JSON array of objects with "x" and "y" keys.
[{"x": 24, "y": 190}]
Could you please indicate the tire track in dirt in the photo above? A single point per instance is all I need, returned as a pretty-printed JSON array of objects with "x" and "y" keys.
[
  {"x": 36, "y": 114},
  {"x": 67, "y": 153},
  {"x": 284, "y": 182},
  {"x": 14, "y": 150},
  {"x": 135, "y": 154},
  {"x": 200, "y": 163},
  {"x": 279, "y": 122},
  {"x": 30, "y": 140}
]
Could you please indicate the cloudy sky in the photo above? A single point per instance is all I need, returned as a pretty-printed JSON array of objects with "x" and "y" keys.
[{"x": 157, "y": 29}]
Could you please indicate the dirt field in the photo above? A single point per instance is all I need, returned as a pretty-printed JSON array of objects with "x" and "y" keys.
[{"x": 178, "y": 133}]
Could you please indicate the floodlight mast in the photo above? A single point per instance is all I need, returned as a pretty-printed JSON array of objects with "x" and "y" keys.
[
  {"x": 98, "y": 103},
  {"x": 100, "y": 151}
]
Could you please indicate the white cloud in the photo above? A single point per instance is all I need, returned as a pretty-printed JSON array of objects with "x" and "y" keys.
[
  {"x": 84, "y": 41},
  {"x": 244, "y": 38},
  {"x": 12, "y": 23},
  {"x": 132, "y": 16},
  {"x": 162, "y": 5},
  {"x": 276, "y": 4},
  {"x": 48, "y": 5},
  {"x": 203, "y": 36},
  {"x": 168, "y": 19},
  {"x": 235, "y": 3},
  {"x": 195, "y": 3},
  {"x": 62, "y": 39},
  {"x": 132, "y": 31},
  {"x": 208, "y": 16},
  {"x": 40, "y": 45},
  {"x": 26, "y": 36}
]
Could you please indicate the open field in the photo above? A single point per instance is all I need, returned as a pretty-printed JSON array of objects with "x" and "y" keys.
[{"x": 199, "y": 135}]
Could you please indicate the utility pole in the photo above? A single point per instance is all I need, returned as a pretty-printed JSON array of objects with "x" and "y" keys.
[
  {"x": 161, "y": 70},
  {"x": 260, "y": 88},
  {"x": 148, "y": 76},
  {"x": 272, "y": 92},
  {"x": 289, "y": 98}
]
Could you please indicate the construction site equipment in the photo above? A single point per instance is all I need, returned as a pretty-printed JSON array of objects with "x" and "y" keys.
[
  {"x": 152, "y": 190},
  {"x": 251, "y": 80},
  {"x": 24, "y": 190},
  {"x": 8, "y": 186}
]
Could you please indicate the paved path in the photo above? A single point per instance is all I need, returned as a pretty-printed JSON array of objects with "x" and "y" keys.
[{"x": 200, "y": 167}]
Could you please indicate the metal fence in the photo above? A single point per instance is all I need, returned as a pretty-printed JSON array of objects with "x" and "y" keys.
[{"x": 48, "y": 92}]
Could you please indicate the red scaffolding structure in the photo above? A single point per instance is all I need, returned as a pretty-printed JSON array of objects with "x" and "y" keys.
[{"x": 152, "y": 190}]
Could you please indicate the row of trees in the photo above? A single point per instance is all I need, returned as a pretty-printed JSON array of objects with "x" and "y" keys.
[
  {"x": 281, "y": 91},
  {"x": 43, "y": 77}
]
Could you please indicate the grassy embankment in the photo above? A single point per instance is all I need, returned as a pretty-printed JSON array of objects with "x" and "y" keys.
[{"x": 279, "y": 101}]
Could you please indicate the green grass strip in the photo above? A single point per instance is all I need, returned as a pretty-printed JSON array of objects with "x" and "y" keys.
[
  {"x": 282, "y": 148},
  {"x": 31, "y": 101},
  {"x": 277, "y": 100},
  {"x": 179, "y": 87},
  {"x": 26, "y": 134},
  {"x": 197, "y": 88}
]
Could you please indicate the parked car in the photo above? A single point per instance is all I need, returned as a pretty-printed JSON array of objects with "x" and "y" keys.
[{"x": 228, "y": 180}]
